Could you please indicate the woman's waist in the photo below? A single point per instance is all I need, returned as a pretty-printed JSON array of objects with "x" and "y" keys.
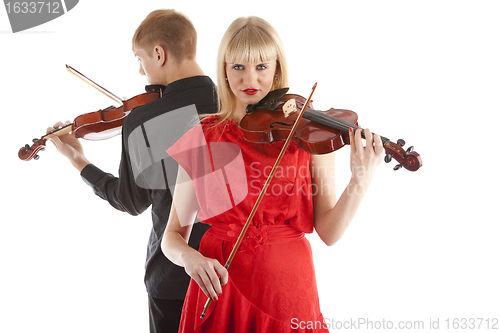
[{"x": 256, "y": 235}]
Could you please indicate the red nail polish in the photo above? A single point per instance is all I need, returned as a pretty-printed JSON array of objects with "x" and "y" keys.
[{"x": 350, "y": 129}]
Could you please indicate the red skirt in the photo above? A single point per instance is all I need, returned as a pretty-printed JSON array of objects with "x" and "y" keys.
[{"x": 271, "y": 288}]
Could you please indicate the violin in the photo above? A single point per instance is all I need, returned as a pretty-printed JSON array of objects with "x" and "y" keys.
[
  {"x": 98, "y": 125},
  {"x": 319, "y": 132}
]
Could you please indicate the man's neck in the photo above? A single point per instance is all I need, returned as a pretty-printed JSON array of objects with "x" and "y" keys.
[{"x": 187, "y": 68}]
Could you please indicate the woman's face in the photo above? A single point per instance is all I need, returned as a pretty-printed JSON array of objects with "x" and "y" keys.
[{"x": 250, "y": 82}]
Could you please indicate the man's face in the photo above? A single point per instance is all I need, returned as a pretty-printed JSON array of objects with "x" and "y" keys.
[{"x": 148, "y": 66}]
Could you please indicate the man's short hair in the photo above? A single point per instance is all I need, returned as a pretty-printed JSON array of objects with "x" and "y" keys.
[{"x": 171, "y": 30}]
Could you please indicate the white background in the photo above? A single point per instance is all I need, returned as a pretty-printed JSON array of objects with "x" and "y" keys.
[{"x": 423, "y": 246}]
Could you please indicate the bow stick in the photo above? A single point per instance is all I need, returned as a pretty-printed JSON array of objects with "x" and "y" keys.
[
  {"x": 95, "y": 85},
  {"x": 262, "y": 193}
]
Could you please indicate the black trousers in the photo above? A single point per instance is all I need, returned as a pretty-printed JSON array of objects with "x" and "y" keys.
[{"x": 164, "y": 315}]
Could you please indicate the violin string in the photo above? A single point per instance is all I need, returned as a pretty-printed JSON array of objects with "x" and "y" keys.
[
  {"x": 336, "y": 123},
  {"x": 329, "y": 121},
  {"x": 56, "y": 130}
]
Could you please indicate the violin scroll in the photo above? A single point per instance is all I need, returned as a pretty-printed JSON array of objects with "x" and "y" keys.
[
  {"x": 28, "y": 152},
  {"x": 409, "y": 159}
]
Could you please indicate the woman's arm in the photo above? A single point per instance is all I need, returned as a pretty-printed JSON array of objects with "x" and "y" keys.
[
  {"x": 175, "y": 240},
  {"x": 332, "y": 217}
]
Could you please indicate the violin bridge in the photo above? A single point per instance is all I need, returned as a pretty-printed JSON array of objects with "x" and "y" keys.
[{"x": 289, "y": 107}]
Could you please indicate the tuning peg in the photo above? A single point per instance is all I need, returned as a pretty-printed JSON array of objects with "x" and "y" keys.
[
  {"x": 401, "y": 142},
  {"x": 388, "y": 158},
  {"x": 36, "y": 157},
  {"x": 27, "y": 147},
  {"x": 397, "y": 167},
  {"x": 35, "y": 140},
  {"x": 410, "y": 149}
]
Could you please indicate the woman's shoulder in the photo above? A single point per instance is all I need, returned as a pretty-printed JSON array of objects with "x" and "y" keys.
[
  {"x": 216, "y": 119},
  {"x": 215, "y": 123},
  {"x": 209, "y": 119}
]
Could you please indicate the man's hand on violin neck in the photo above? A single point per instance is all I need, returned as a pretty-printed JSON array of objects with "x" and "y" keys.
[{"x": 69, "y": 146}]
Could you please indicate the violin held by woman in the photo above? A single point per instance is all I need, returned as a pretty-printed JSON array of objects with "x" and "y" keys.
[{"x": 319, "y": 132}]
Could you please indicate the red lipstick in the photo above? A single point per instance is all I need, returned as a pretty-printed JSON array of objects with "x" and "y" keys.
[{"x": 251, "y": 91}]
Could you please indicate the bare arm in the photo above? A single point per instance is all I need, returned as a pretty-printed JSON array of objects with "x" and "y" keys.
[
  {"x": 205, "y": 271},
  {"x": 332, "y": 217}
]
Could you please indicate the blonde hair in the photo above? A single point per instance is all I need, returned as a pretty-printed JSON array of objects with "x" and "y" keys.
[
  {"x": 171, "y": 30},
  {"x": 248, "y": 40}
]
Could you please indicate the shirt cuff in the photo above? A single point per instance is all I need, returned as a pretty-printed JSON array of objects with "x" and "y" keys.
[{"x": 91, "y": 174}]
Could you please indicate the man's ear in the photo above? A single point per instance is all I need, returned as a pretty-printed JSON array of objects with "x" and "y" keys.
[{"x": 160, "y": 55}]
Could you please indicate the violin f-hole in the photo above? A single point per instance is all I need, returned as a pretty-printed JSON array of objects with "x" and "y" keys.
[{"x": 281, "y": 123}]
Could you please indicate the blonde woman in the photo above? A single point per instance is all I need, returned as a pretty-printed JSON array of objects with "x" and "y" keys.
[{"x": 271, "y": 284}]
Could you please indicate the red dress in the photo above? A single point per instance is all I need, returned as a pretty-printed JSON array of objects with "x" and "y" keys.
[{"x": 272, "y": 284}]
